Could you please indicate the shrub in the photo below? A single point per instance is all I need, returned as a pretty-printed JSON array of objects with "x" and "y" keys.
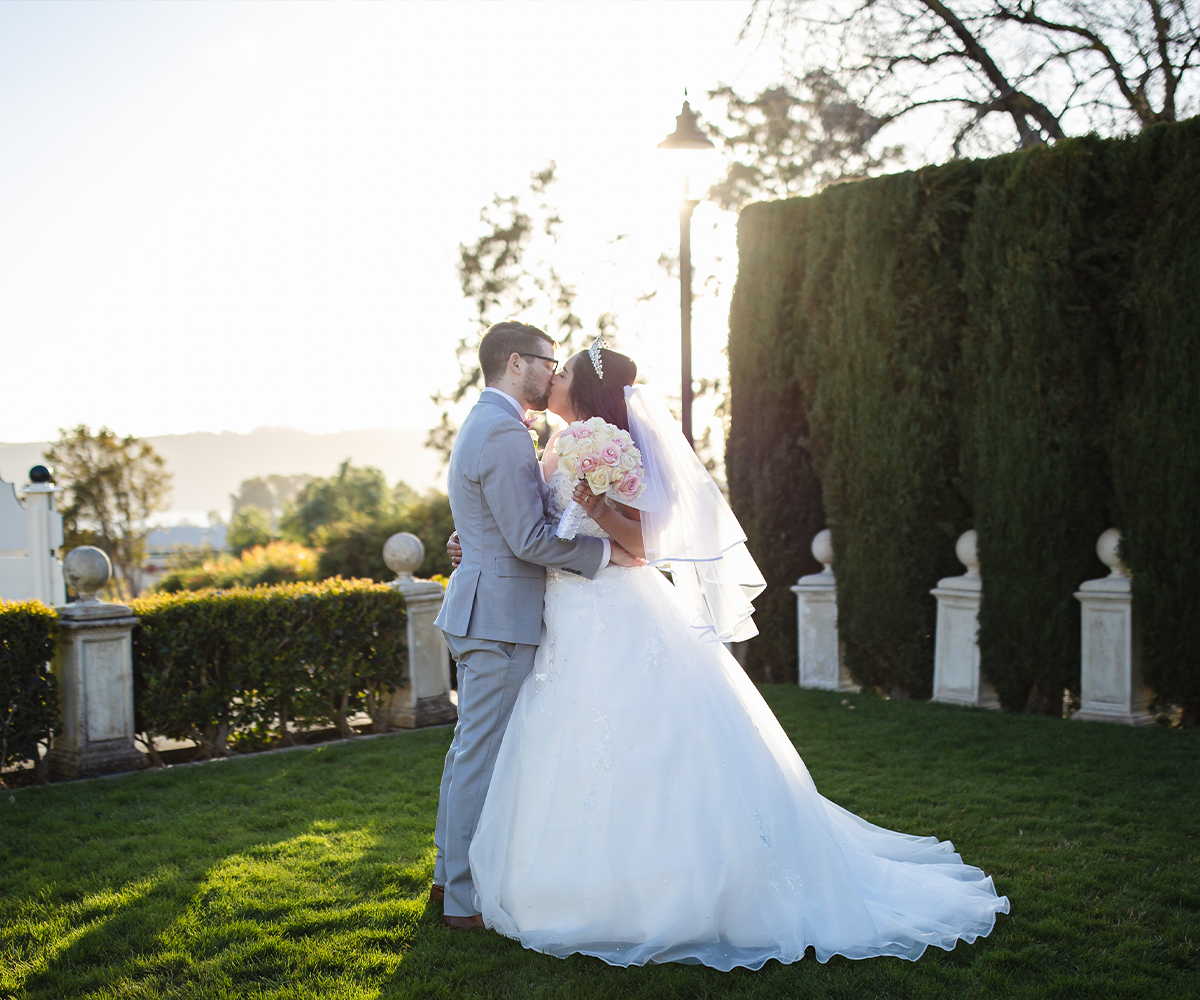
[
  {"x": 28, "y": 699},
  {"x": 277, "y": 562},
  {"x": 240, "y": 664}
]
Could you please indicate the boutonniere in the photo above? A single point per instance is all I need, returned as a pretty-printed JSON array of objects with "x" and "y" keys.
[{"x": 528, "y": 422}]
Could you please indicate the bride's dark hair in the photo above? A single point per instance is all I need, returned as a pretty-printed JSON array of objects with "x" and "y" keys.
[{"x": 592, "y": 396}]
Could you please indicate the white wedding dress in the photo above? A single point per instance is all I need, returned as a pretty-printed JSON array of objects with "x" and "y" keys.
[{"x": 646, "y": 806}]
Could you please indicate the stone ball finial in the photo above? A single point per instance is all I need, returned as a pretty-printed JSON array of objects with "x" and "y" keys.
[
  {"x": 41, "y": 474},
  {"x": 403, "y": 553},
  {"x": 822, "y": 549},
  {"x": 967, "y": 553},
  {"x": 87, "y": 569},
  {"x": 1106, "y": 549}
]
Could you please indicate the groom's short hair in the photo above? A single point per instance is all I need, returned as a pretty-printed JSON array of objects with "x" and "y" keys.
[{"x": 505, "y": 339}]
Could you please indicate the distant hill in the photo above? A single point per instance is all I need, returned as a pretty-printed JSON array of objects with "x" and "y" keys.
[{"x": 209, "y": 467}]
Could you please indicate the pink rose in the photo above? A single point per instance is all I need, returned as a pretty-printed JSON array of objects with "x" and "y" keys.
[
  {"x": 631, "y": 486},
  {"x": 588, "y": 464},
  {"x": 582, "y": 431},
  {"x": 610, "y": 454}
]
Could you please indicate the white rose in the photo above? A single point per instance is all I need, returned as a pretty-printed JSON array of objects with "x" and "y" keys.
[
  {"x": 598, "y": 480},
  {"x": 566, "y": 445},
  {"x": 628, "y": 462}
]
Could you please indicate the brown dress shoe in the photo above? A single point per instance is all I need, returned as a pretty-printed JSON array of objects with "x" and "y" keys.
[
  {"x": 474, "y": 923},
  {"x": 437, "y": 894}
]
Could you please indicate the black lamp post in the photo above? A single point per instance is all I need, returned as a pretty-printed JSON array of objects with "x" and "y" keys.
[{"x": 686, "y": 136}]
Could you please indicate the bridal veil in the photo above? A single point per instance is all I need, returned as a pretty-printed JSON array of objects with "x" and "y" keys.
[{"x": 687, "y": 524}]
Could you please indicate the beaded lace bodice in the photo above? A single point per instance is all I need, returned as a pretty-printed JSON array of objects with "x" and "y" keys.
[{"x": 559, "y": 489}]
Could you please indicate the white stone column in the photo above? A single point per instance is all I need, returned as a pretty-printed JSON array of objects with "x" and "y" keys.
[
  {"x": 94, "y": 669},
  {"x": 820, "y": 651},
  {"x": 423, "y": 699},
  {"x": 45, "y": 534},
  {"x": 1110, "y": 682},
  {"x": 956, "y": 676}
]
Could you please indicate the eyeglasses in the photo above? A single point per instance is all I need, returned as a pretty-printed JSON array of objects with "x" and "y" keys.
[{"x": 542, "y": 357}]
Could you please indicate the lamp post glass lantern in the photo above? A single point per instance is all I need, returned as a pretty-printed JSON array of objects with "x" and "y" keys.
[{"x": 692, "y": 152}]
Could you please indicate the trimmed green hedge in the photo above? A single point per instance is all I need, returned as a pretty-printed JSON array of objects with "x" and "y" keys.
[
  {"x": 28, "y": 698},
  {"x": 1010, "y": 345},
  {"x": 240, "y": 665}
]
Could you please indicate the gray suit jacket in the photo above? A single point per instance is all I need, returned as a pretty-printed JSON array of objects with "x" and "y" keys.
[{"x": 498, "y": 501}]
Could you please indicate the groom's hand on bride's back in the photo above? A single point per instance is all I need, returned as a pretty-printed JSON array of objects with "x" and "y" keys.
[
  {"x": 618, "y": 556},
  {"x": 622, "y": 557}
]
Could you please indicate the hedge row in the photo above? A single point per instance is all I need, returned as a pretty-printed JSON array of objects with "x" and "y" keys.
[
  {"x": 28, "y": 700},
  {"x": 248, "y": 665},
  {"x": 1009, "y": 345}
]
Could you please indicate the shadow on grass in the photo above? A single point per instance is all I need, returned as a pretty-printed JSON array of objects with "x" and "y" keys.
[
  {"x": 306, "y": 874},
  {"x": 444, "y": 963},
  {"x": 239, "y": 878},
  {"x": 1093, "y": 831}
]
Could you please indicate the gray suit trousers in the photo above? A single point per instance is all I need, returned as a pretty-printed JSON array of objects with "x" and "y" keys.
[{"x": 490, "y": 674}]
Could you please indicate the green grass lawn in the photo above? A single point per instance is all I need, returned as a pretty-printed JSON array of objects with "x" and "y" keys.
[{"x": 305, "y": 874}]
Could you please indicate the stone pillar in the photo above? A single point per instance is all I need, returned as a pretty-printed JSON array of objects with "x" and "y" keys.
[
  {"x": 1110, "y": 682},
  {"x": 956, "y": 677},
  {"x": 45, "y": 532},
  {"x": 423, "y": 699},
  {"x": 94, "y": 669},
  {"x": 821, "y": 660}
]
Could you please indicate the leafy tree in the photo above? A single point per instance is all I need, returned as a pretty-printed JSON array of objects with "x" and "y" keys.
[
  {"x": 794, "y": 138},
  {"x": 357, "y": 551},
  {"x": 1046, "y": 68},
  {"x": 506, "y": 273},
  {"x": 270, "y": 493},
  {"x": 403, "y": 494},
  {"x": 355, "y": 495},
  {"x": 113, "y": 485},
  {"x": 249, "y": 526}
]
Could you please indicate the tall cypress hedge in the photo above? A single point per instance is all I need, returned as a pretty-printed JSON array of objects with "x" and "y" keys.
[
  {"x": 775, "y": 488},
  {"x": 1155, "y": 440},
  {"x": 1038, "y": 355},
  {"x": 1007, "y": 345}
]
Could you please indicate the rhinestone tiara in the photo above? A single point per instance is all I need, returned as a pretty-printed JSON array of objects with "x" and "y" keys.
[{"x": 594, "y": 354}]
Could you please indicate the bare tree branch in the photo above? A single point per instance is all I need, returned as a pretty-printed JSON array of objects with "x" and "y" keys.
[
  {"x": 1050, "y": 67},
  {"x": 1019, "y": 105},
  {"x": 1136, "y": 97}
]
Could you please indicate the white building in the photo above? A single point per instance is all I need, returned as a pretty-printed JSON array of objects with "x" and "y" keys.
[{"x": 31, "y": 533}]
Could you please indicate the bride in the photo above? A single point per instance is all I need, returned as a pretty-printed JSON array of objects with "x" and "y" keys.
[{"x": 646, "y": 806}]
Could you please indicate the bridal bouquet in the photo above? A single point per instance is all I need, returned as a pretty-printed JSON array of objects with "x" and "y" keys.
[{"x": 603, "y": 455}]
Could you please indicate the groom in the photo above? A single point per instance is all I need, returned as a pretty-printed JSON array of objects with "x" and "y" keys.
[{"x": 492, "y": 614}]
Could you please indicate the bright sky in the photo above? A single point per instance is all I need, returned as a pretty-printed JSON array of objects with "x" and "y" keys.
[{"x": 219, "y": 216}]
